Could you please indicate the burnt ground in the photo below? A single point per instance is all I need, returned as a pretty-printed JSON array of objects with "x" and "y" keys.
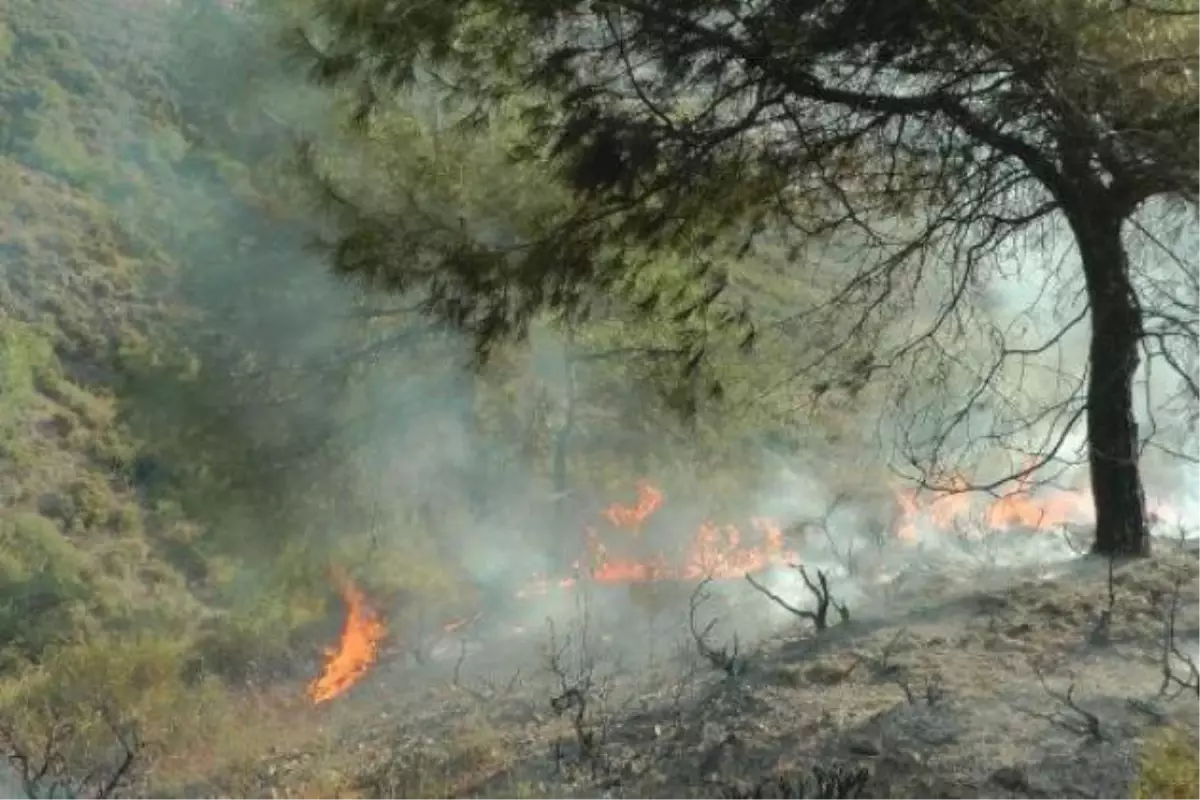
[{"x": 959, "y": 680}]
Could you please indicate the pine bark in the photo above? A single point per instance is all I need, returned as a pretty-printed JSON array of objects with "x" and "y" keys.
[{"x": 1113, "y": 444}]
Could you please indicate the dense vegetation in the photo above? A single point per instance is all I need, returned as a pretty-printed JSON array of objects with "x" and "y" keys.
[{"x": 197, "y": 420}]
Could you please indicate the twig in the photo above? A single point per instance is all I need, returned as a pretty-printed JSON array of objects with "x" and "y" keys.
[
  {"x": 727, "y": 660},
  {"x": 847, "y": 557},
  {"x": 49, "y": 774},
  {"x": 820, "y": 591},
  {"x": 578, "y": 694},
  {"x": 1087, "y": 724},
  {"x": 933, "y": 689},
  {"x": 1171, "y": 654},
  {"x": 131, "y": 745}
]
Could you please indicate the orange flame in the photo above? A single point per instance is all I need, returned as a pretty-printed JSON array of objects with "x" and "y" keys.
[
  {"x": 716, "y": 551},
  {"x": 649, "y": 500},
  {"x": 1021, "y": 508},
  {"x": 720, "y": 551},
  {"x": 362, "y": 631}
]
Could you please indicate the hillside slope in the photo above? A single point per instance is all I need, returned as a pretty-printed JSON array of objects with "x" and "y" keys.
[
  {"x": 956, "y": 683},
  {"x": 202, "y": 433},
  {"x": 114, "y": 600},
  {"x": 77, "y": 291}
]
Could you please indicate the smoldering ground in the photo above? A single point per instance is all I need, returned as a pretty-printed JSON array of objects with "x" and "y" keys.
[{"x": 949, "y": 680}]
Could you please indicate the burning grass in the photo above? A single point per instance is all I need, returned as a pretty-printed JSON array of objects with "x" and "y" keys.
[
  {"x": 627, "y": 554},
  {"x": 357, "y": 648},
  {"x": 956, "y": 669},
  {"x": 939, "y": 696}
]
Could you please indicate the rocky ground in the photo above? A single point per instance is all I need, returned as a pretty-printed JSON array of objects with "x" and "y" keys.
[{"x": 958, "y": 681}]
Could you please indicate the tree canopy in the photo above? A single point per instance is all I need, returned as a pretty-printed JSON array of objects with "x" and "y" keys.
[{"x": 922, "y": 137}]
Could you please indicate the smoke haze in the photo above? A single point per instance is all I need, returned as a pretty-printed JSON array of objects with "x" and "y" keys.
[{"x": 394, "y": 399}]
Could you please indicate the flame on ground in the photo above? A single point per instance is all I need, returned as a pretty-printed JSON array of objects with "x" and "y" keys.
[
  {"x": 722, "y": 552},
  {"x": 718, "y": 551},
  {"x": 1026, "y": 508},
  {"x": 649, "y": 500},
  {"x": 362, "y": 631}
]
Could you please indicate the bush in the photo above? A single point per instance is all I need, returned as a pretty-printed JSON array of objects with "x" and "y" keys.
[
  {"x": 24, "y": 356},
  {"x": 43, "y": 589},
  {"x": 242, "y": 648},
  {"x": 1170, "y": 766},
  {"x": 266, "y": 611},
  {"x": 85, "y": 707}
]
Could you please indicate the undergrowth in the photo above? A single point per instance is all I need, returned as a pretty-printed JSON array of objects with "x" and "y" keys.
[{"x": 1170, "y": 766}]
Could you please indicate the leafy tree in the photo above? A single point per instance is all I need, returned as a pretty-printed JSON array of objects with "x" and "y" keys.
[
  {"x": 912, "y": 139},
  {"x": 592, "y": 403}
]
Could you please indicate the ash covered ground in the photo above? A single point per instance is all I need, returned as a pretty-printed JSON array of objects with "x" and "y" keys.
[{"x": 1004, "y": 666}]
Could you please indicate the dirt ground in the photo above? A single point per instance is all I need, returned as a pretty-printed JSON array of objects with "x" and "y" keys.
[{"x": 954, "y": 681}]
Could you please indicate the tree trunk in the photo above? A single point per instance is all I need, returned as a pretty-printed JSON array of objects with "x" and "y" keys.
[{"x": 1121, "y": 527}]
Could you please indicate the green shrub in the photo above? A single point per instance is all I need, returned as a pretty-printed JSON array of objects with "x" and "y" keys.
[
  {"x": 82, "y": 699},
  {"x": 43, "y": 585},
  {"x": 25, "y": 355},
  {"x": 6, "y": 41},
  {"x": 1170, "y": 766},
  {"x": 267, "y": 610},
  {"x": 241, "y": 648}
]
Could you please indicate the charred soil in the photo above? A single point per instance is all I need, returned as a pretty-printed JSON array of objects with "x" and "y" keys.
[{"x": 1038, "y": 681}]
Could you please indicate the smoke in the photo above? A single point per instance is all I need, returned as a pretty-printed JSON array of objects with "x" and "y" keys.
[
  {"x": 1039, "y": 302},
  {"x": 359, "y": 427},
  {"x": 367, "y": 427}
]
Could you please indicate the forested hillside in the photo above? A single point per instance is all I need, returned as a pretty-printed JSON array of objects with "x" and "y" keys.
[
  {"x": 393, "y": 407},
  {"x": 199, "y": 421}
]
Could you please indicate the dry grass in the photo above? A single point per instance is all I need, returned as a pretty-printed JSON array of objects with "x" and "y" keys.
[
  {"x": 940, "y": 698},
  {"x": 471, "y": 753},
  {"x": 252, "y": 727}
]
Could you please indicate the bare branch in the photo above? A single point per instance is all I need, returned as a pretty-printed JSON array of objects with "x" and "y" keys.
[
  {"x": 1171, "y": 655},
  {"x": 821, "y": 595},
  {"x": 1079, "y": 720},
  {"x": 51, "y": 773},
  {"x": 728, "y": 658}
]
